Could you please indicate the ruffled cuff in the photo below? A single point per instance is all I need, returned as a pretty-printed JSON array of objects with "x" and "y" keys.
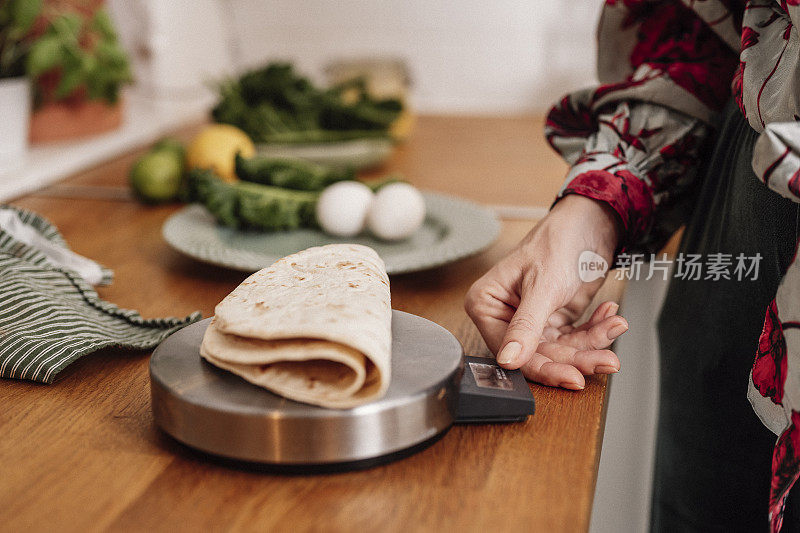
[
  {"x": 639, "y": 158},
  {"x": 617, "y": 186}
]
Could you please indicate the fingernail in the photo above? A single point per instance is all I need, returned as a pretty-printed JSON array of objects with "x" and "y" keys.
[
  {"x": 570, "y": 385},
  {"x": 509, "y": 353},
  {"x": 612, "y": 309},
  {"x": 616, "y": 331},
  {"x": 605, "y": 369}
]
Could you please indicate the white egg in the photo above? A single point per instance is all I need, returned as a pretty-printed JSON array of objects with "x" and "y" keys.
[
  {"x": 342, "y": 208},
  {"x": 397, "y": 211}
]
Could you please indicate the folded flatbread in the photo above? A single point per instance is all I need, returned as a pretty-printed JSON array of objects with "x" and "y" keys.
[{"x": 314, "y": 327}]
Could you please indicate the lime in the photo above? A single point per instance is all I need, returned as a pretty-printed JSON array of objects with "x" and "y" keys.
[
  {"x": 156, "y": 176},
  {"x": 170, "y": 144}
]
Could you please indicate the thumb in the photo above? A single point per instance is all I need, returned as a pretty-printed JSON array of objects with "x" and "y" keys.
[{"x": 525, "y": 328}]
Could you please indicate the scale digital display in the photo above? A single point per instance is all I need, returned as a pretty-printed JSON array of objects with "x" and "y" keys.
[
  {"x": 490, "y": 376},
  {"x": 490, "y": 393}
]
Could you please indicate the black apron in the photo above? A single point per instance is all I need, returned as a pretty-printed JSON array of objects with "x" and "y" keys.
[{"x": 713, "y": 454}]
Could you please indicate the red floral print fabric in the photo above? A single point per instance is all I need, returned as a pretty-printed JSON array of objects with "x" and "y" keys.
[
  {"x": 634, "y": 142},
  {"x": 769, "y": 368},
  {"x": 785, "y": 470}
]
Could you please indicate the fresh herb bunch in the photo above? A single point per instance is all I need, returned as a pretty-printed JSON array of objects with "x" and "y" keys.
[
  {"x": 16, "y": 20},
  {"x": 78, "y": 55},
  {"x": 275, "y": 104}
]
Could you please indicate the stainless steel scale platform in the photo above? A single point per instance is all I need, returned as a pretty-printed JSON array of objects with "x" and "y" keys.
[{"x": 221, "y": 414}]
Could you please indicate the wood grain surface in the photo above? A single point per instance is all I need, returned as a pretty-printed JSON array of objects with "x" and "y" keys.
[{"x": 83, "y": 454}]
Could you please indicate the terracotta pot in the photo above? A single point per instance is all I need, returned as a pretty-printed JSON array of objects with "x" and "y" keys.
[{"x": 59, "y": 121}]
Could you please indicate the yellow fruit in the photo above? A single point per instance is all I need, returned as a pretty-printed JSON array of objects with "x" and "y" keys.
[
  {"x": 402, "y": 125},
  {"x": 216, "y": 147}
]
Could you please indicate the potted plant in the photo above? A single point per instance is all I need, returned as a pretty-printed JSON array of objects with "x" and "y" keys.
[
  {"x": 16, "y": 20},
  {"x": 78, "y": 68}
]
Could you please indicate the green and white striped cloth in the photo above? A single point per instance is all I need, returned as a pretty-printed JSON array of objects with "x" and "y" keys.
[{"x": 49, "y": 314}]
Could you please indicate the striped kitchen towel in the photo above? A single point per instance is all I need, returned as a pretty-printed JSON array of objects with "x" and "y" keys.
[{"x": 49, "y": 314}]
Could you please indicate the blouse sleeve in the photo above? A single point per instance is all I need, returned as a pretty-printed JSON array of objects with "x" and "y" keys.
[
  {"x": 769, "y": 70},
  {"x": 635, "y": 141},
  {"x": 766, "y": 89},
  {"x": 776, "y": 158}
]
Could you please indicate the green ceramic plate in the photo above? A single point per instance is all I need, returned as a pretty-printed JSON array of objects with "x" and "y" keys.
[{"x": 453, "y": 229}]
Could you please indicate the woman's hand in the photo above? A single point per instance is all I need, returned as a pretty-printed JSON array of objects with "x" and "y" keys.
[{"x": 526, "y": 306}]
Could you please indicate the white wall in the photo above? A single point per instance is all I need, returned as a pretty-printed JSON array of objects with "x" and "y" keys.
[
  {"x": 178, "y": 50},
  {"x": 466, "y": 56}
]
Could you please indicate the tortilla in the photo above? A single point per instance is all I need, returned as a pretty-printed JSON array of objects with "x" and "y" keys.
[{"x": 314, "y": 327}]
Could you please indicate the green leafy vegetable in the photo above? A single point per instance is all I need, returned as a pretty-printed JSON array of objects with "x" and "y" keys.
[
  {"x": 272, "y": 208},
  {"x": 219, "y": 197},
  {"x": 274, "y": 104},
  {"x": 16, "y": 19},
  {"x": 101, "y": 68},
  {"x": 251, "y": 205},
  {"x": 44, "y": 55},
  {"x": 24, "y": 13},
  {"x": 289, "y": 173}
]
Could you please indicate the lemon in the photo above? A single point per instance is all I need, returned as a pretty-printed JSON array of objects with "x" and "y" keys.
[
  {"x": 215, "y": 148},
  {"x": 156, "y": 176},
  {"x": 402, "y": 125}
]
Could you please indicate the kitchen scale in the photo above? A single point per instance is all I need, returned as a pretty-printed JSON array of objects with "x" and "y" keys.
[{"x": 433, "y": 385}]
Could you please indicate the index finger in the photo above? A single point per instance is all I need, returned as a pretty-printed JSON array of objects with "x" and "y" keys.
[{"x": 525, "y": 328}]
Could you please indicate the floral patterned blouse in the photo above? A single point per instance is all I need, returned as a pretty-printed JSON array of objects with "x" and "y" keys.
[{"x": 634, "y": 143}]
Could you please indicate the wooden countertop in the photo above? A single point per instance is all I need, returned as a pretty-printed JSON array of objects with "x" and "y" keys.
[{"x": 83, "y": 453}]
